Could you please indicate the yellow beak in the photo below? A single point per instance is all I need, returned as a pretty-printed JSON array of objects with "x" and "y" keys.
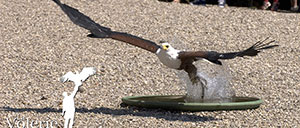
[{"x": 164, "y": 47}]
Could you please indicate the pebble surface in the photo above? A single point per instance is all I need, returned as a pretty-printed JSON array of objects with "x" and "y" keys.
[{"x": 38, "y": 44}]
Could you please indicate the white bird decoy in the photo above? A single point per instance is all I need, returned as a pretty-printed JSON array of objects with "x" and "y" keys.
[{"x": 78, "y": 78}]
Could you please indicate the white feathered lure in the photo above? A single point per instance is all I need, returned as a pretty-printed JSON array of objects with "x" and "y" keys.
[{"x": 78, "y": 78}]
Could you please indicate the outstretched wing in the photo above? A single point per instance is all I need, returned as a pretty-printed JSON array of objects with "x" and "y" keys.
[
  {"x": 136, "y": 41},
  {"x": 83, "y": 21},
  {"x": 252, "y": 51},
  {"x": 87, "y": 72},
  {"x": 67, "y": 77},
  {"x": 99, "y": 31},
  {"x": 214, "y": 57}
]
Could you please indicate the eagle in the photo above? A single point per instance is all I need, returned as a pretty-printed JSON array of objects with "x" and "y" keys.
[{"x": 169, "y": 56}]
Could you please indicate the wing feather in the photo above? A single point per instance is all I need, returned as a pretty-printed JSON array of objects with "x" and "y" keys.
[
  {"x": 99, "y": 31},
  {"x": 214, "y": 57},
  {"x": 87, "y": 72},
  {"x": 84, "y": 21},
  {"x": 136, "y": 41},
  {"x": 68, "y": 76}
]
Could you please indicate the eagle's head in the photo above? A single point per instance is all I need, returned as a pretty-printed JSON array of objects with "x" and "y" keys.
[
  {"x": 166, "y": 46},
  {"x": 169, "y": 55}
]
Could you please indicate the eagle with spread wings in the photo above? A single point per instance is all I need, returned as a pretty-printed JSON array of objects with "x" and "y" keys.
[{"x": 169, "y": 56}]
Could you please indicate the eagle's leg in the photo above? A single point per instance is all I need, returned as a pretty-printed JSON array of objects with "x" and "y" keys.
[{"x": 195, "y": 79}]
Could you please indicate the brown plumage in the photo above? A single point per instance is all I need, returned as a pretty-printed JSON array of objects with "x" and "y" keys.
[{"x": 181, "y": 60}]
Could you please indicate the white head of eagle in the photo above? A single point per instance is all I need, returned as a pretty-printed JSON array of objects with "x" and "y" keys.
[{"x": 169, "y": 56}]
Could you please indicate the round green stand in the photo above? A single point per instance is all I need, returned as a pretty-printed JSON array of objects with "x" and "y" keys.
[{"x": 176, "y": 102}]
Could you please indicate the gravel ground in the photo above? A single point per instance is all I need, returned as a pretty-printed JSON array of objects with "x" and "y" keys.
[{"x": 39, "y": 44}]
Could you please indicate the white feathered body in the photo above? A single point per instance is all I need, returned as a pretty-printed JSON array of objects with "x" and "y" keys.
[{"x": 169, "y": 58}]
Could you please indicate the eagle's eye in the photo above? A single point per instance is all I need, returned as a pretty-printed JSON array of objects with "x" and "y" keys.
[{"x": 166, "y": 47}]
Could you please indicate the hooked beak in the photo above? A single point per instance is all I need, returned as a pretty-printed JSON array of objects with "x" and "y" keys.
[{"x": 165, "y": 47}]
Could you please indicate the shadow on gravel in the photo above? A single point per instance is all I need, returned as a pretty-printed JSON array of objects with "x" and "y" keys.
[
  {"x": 156, "y": 113},
  {"x": 133, "y": 111},
  {"x": 38, "y": 110}
]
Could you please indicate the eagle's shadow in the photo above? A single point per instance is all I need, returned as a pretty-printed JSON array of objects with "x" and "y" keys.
[{"x": 127, "y": 110}]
